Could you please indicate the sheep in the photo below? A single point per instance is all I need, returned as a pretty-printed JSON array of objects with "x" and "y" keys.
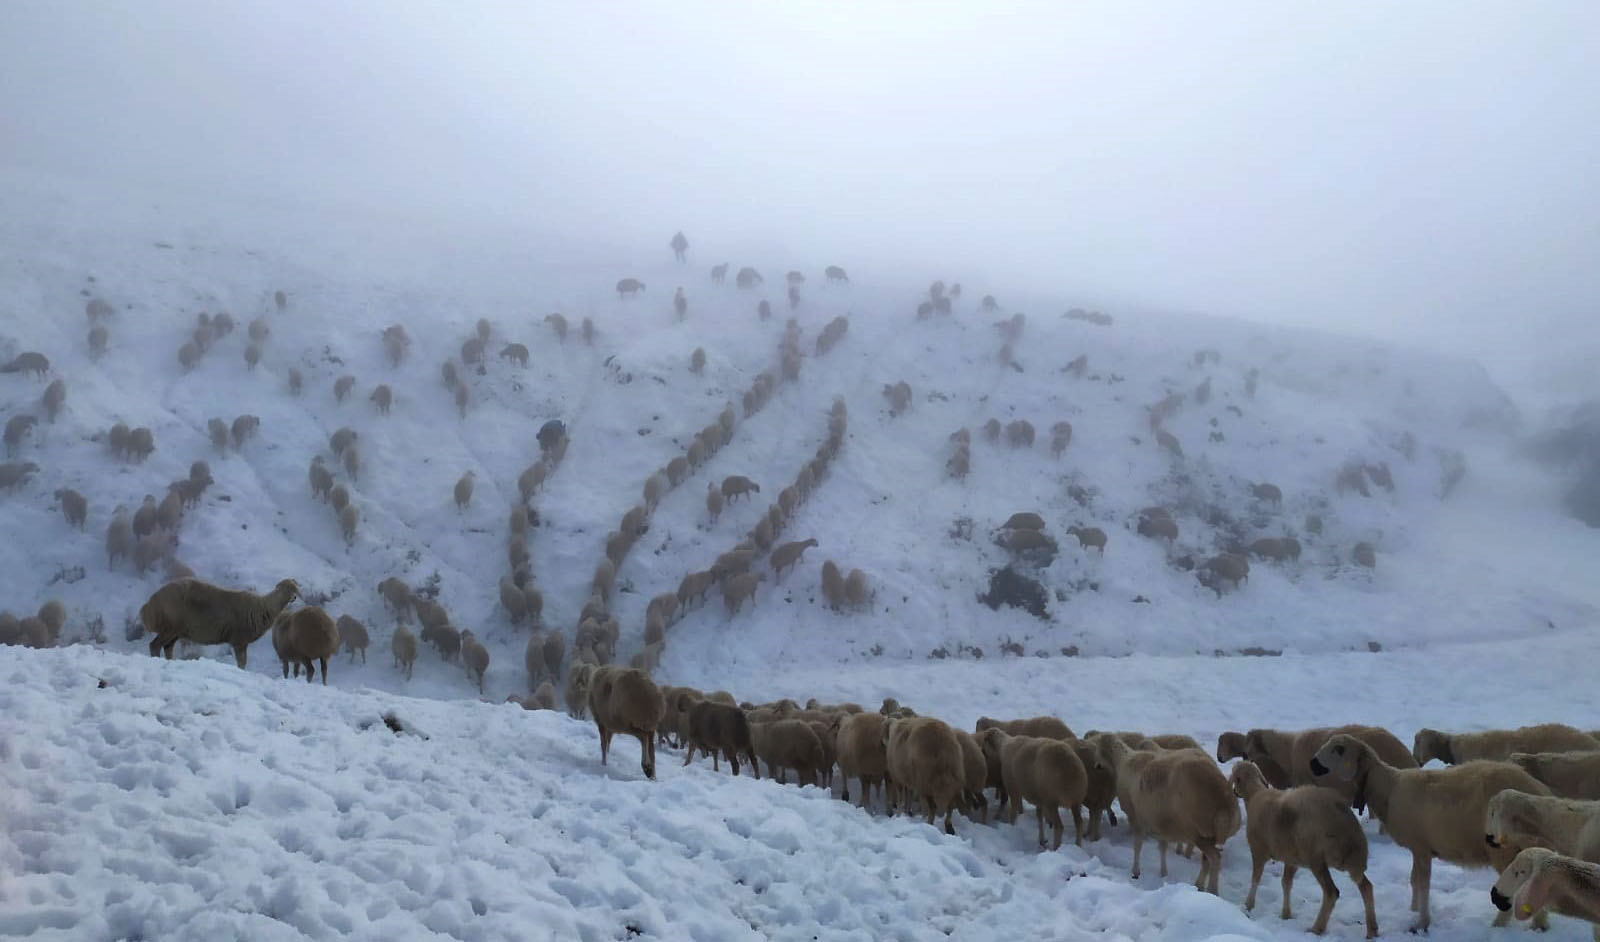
[
  {"x": 1267, "y": 493},
  {"x": 404, "y": 646},
  {"x": 1284, "y": 758},
  {"x": 787, "y": 556},
  {"x": 1041, "y": 727},
  {"x": 836, "y": 274},
  {"x": 54, "y": 397},
  {"x": 1157, "y": 523},
  {"x": 787, "y": 744},
  {"x": 463, "y": 490},
  {"x": 1517, "y": 820},
  {"x": 472, "y": 350},
  {"x": 1169, "y": 443},
  {"x": 348, "y": 518},
  {"x": 202, "y": 613},
  {"x": 1228, "y": 566},
  {"x": 740, "y": 587},
  {"x": 977, "y": 775},
  {"x": 252, "y": 355},
  {"x": 308, "y": 635},
  {"x": 605, "y": 576},
  {"x": 586, "y": 331},
  {"x": 73, "y": 506},
  {"x": 382, "y": 397},
  {"x": 1089, "y": 536},
  {"x": 959, "y": 463},
  {"x": 1303, "y": 827},
  {"x": 515, "y": 351},
  {"x": 98, "y": 308},
  {"x": 259, "y": 330},
  {"x": 354, "y": 635},
  {"x": 395, "y": 343},
  {"x": 30, "y": 362},
  {"x": 15, "y": 474},
  {"x": 244, "y": 427},
  {"x": 144, "y": 519},
  {"x": 1047, "y": 772},
  {"x": 1101, "y": 788},
  {"x": 397, "y": 598},
  {"x": 475, "y": 657},
  {"x": 654, "y": 486},
  {"x": 735, "y": 486},
  {"x": 98, "y": 336},
  {"x": 557, "y": 323},
  {"x": 924, "y": 759},
  {"x": 747, "y": 277},
  {"x": 627, "y": 287},
  {"x": 1569, "y": 774},
  {"x": 1499, "y": 744},
  {"x": 447, "y": 373},
  {"x": 553, "y": 650},
  {"x": 720, "y": 729},
  {"x": 52, "y": 615},
  {"x": 1178, "y": 796},
  {"x": 463, "y": 398},
  {"x": 1019, "y": 433},
  {"x": 899, "y": 396},
  {"x": 832, "y": 585},
  {"x": 531, "y": 479},
  {"x": 544, "y": 698},
  {"x": 1539, "y": 879},
  {"x": 352, "y": 462},
  {"x": 695, "y": 585},
  {"x": 1430, "y": 812},
  {"x": 119, "y": 537},
  {"x": 445, "y": 640},
  {"x": 170, "y": 512}
]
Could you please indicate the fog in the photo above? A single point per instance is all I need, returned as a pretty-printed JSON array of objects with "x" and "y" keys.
[{"x": 1421, "y": 171}]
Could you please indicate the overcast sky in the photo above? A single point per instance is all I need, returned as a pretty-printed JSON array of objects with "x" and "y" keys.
[{"x": 1422, "y": 170}]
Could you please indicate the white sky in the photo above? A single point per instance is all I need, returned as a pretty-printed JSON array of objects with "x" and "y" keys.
[{"x": 1420, "y": 170}]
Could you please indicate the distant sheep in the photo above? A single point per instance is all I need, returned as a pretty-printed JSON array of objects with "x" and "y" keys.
[
  {"x": 516, "y": 352},
  {"x": 54, "y": 397},
  {"x": 354, "y": 636},
  {"x": 243, "y": 428},
  {"x": 739, "y": 588},
  {"x": 1364, "y": 555},
  {"x": 735, "y": 486},
  {"x": 1060, "y": 438},
  {"x": 475, "y": 657},
  {"x": 36, "y": 363},
  {"x": 463, "y": 490},
  {"x": 404, "y": 646},
  {"x": 201, "y": 613},
  {"x": 628, "y": 287},
  {"x": 1268, "y": 493},
  {"x": 296, "y": 382},
  {"x": 73, "y": 506},
  {"x": 558, "y": 324},
  {"x": 342, "y": 387},
  {"x": 1019, "y": 433},
  {"x": 1089, "y": 537},
  {"x": 899, "y": 396},
  {"x": 382, "y": 397},
  {"x": 788, "y": 555},
  {"x": 17, "y": 427}
]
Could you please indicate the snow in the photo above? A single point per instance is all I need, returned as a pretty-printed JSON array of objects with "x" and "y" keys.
[{"x": 194, "y": 800}]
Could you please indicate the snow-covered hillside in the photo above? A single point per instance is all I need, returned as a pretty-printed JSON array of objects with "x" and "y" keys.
[{"x": 1487, "y": 578}]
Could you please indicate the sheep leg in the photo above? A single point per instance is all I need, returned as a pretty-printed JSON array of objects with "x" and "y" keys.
[
  {"x": 688, "y": 754},
  {"x": 1289, "y": 871},
  {"x": 1038, "y": 816},
  {"x": 1330, "y": 895},
  {"x": 1138, "y": 845},
  {"x": 1258, "y": 864},
  {"x": 1111, "y": 817},
  {"x": 311, "y": 669},
  {"x": 647, "y": 754},
  {"x": 1421, "y": 881},
  {"x": 949, "y": 826},
  {"x": 1077, "y": 827},
  {"x": 323, "y": 662},
  {"x": 1163, "y": 846},
  {"x": 1364, "y": 887},
  {"x": 1215, "y": 852},
  {"x": 605, "y": 743}
]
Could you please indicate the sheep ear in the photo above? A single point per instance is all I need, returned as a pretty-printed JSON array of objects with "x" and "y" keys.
[{"x": 1534, "y": 894}]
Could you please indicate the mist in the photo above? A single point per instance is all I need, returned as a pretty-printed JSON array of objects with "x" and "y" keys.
[{"x": 1420, "y": 172}]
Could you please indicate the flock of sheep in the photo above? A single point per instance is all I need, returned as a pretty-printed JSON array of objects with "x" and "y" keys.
[{"x": 1525, "y": 802}]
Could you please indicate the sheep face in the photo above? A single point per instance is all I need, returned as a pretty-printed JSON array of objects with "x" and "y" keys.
[
  {"x": 1339, "y": 758},
  {"x": 1515, "y": 878},
  {"x": 1509, "y": 813},
  {"x": 1430, "y": 744}
]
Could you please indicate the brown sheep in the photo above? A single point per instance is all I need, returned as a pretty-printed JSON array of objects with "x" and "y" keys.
[
  {"x": 1090, "y": 536},
  {"x": 201, "y": 613},
  {"x": 1229, "y": 567},
  {"x": 55, "y": 396},
  {"x": 1434, "y": 813},
  {"x": 1019, "y": 433},
  {"x": 1177, "y": 796},
  {"x": 309, "y": 635},
  {"x": 383, "y": 398},
  {"x": 857, "y": 594},
  {"x": 515, "y": 351},
  {"x": 554, "y": 651},
  {"x": 73, "y": 506},
  {"x": 1364, "y": 555},
  {"x": 720, "y": 729},
  {"x": 787, "y": 744},
  {"x": 787, "y": 556},
  {"x": 1041, "y": 727},
  {"x": 557, "y": 323},
  {"x": 925, "y": 760},
  {"x": 832, "y": 585},
  {"x": 1303, "y": 827},
  {"x": 30, "y": 362},
  {"x": 475, "y": 657},
  {"x": 354, "y": 635},
  {"x": 463, "y": 490},
  {"x": 626, "y": 701},
  {"x": 977, "y": 775},
  {"x": 1499, "y": 744},
  {"x": 1284, "y": 758},
  {"x": 1569, "y": 774},
  {"x": 735, "y": 486},
  {"x": 243, "y": 428},
  {"x": 1269, "y": 493},
  {"x": 1023, "y": 520},
  {"x": 1047, "y": 772},
  {"x": 348, "y": 518},
  {"x": 740, "y": 587},
  {"x": 404, "y": 646}
]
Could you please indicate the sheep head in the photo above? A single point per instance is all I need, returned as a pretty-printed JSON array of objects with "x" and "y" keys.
[
  {"x": 286, "y": 591},
  {"x": 1246, "y": 779},
  {"x": 1343, "y": 758},
  {"x": 1430, "y": 744},
  {"x": 1230, "y": 746}
]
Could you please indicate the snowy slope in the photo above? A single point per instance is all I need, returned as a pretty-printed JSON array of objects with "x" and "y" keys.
[{"x": 1495, "y": 561}]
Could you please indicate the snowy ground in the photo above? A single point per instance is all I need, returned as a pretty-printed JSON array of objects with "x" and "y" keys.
[{"x": 1475, "y": 596}]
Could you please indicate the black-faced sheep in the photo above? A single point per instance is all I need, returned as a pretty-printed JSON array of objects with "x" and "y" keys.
[
  {"x": 201, "y": 613},
  {"x": 1434, "y": 813}
]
